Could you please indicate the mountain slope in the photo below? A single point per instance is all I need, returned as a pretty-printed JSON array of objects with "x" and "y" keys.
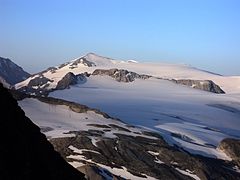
[
  {"x": 90, "y": 139},
  {"x": 25, "y": 153},
  {"x": 11, "y": 72},
  {"x": 49, "y": 78},
  {"x": 192, "y": 119}
]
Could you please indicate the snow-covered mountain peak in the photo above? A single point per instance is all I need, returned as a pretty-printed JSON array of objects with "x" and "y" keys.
[
  {"x": 98, "y": 60},
  {"x": 91, "y": 61}
]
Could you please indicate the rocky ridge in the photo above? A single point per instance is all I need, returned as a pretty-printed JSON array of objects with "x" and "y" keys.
[
  {"x": 11, "y": 72},
  {"x": 78, "y": 70},
  {"x": 205, "y": 85},
  {"x": 25, "y": 153},
  {"x": 120, "y": 75}
]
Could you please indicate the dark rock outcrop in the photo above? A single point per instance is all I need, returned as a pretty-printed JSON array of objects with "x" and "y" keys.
[
  {"x": 39, "y": 81},
  {"x": 120, "y": 75},
  {"x": 75, "y": 107},
  {"x": 70, "y": 79},
  {"x": 206, "y": 85},
  {"x": 83, "y": 61},
  {"x": 25, "y": 153},
  {"x": 231, "y": 147},
  {"x": 37, "y": 86},
  {"x": 143, "y": 156},
  {"x": 11, "y": 72}
]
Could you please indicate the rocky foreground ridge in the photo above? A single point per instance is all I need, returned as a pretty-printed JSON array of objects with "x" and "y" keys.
[{"x": 25, "y": 153}]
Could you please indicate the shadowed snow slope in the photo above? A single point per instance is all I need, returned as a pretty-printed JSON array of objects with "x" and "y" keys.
[
  {"x": 190, "y": 118},
  {"x": 110, "y": 149},
  {"x": 193, "y": 119}
]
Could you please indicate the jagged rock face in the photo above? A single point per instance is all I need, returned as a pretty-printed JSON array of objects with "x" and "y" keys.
[
  {"x": 40, "y": 84},
  {"x": 120, "y": 75},
  {"x": 11, "y": 72},
  {"x": 79, "y": 61},
  {"x": 83, "y": 61},
  {"x": 39, "y": 81},
  {"x": 37, "y": 86},
  {"x": 69, "y": 79},
  {"x": 206, "y": 85},
  {"x": 141, "y": 156},
  {"x": 25, "y": 153},
  {"x": 232, "y": 148}
]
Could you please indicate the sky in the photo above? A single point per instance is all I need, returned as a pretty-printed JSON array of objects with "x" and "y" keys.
[{"x": 37, "y": 34}]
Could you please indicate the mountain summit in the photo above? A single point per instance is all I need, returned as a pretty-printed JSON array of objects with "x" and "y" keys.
[{"x": 11, "y": 72}]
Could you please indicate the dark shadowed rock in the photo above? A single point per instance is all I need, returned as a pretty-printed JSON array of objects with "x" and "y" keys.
[
  {"x": 120, "y": 75},
  {"x": 66, "y": 81},
  {"x": 232, "y": 148},
  {"x": 37, "y": 86},
  {"x": 206, "y": 85},
  {"x": 11, "y": 72},
  {"x": 70, "y": 79},
  {"x": 25, "y": 153},
  {"x": 83, "y": 61},
  {"x": 39, "y": 81}
]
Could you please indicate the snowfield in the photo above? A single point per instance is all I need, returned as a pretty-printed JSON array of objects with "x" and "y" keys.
[
  {"x": 230, "y": 84},
  {"x": 192, "y": 119},
  {"x": 57, "y": 120}
]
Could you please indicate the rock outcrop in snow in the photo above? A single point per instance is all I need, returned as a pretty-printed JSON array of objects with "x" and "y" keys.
[
  {"x": 232, "y": 148},
  {"x": 206, "y": 85},
  {"x": 70, "y": 79},
  {"x": 120, "y": 75}
]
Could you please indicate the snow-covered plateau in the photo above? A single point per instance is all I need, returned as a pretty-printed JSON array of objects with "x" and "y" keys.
[{"x": 189, "y": 118}]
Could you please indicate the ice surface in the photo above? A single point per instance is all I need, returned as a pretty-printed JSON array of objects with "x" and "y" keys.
[{"x": 179, "y": 113}]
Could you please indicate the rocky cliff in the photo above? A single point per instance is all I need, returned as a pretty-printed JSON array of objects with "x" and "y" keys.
[
  {"x": 11, "y": 72},
  {"x": 25, "y": 153},
  {"x": 232, "y": 148},
  {"x": 120, "y": 75},
  {"x": 206, "y": 85}
]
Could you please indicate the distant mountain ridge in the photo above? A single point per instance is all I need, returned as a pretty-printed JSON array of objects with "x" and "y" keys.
[
  {"x": 69, "y": 73},
  {"x": 11, "y": 72}
]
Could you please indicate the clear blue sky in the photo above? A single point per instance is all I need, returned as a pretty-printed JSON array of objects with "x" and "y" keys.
[{"x": 204, "y": 33}]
